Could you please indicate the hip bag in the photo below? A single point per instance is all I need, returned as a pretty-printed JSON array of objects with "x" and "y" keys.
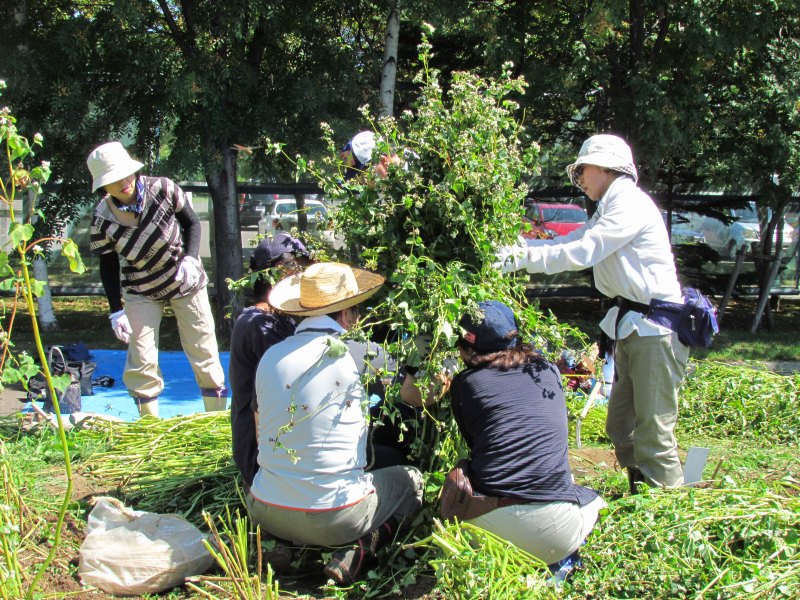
[
  {"x": 460, "y": 501},
  {"x": 695, "y": 321}
]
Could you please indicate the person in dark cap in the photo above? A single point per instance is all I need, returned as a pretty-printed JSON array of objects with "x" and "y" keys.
[
  {"x": 510, "y": 408},
  {"x": 257, "y": 329}
]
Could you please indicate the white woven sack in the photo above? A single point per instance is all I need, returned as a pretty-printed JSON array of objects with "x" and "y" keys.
[{"x": 128, "y": 552}]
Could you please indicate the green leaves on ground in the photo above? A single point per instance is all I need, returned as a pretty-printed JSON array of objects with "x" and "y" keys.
[{"x": 742, "y": 402}]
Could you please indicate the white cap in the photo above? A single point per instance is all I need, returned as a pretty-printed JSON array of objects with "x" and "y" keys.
[
  {"x": 605, "y": 150},
  {"x": 109, "y": 163},
  {"x": 362, "y": 145}
]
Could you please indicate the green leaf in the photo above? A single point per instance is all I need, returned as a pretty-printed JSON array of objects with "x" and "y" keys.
[
  {"x": 7, "y": 285},
  {"x": 37, "y": 287},
  {"x": 10, "y": 375},
  {"x": 336, "y": 347},
  {"x": 20, "y": 233},
  {"x": 70, "y": 250}
]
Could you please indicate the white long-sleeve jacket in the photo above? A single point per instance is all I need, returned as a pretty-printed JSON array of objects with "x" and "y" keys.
[{"x": 627, "y": 245}]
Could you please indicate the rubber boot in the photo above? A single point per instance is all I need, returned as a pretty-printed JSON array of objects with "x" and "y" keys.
[
  {"x": 146, "y": 406},
  {"x": 346, "y": 564},
  {"x": 215, "y": 403},
  {"x": 635, "y": 477}
]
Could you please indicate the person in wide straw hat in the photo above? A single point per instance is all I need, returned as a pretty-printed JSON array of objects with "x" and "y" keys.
[
  {"x": 627, "y": 245},
  {"x": 147, "y": 224},
  {"x": 312, "y": 429}
]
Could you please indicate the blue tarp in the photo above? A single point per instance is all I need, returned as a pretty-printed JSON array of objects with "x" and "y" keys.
[{"x": 181, "y": 395}]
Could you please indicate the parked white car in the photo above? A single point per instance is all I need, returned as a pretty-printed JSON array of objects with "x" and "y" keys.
[
  {"x": 281, "y": 215},
  {"x": 744, "y": 231}
]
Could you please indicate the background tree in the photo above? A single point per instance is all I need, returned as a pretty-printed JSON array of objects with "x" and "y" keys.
[{"x": 203, "y": 79}]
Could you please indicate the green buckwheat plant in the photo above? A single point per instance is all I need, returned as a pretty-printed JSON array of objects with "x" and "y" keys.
[{"x": 16, "y": 257}]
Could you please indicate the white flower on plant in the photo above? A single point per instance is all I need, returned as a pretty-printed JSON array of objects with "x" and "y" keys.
[
  {"x": 38, "y": 138},
  {"x": 45, "y": 164},
  {"x": 2, "y": 84},
  {"x": 5, "y": 111}
]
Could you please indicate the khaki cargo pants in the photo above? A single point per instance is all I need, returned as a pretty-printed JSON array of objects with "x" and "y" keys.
[
  {"x": 143, "y": 376},
  {"x": 643, "y": 407}
]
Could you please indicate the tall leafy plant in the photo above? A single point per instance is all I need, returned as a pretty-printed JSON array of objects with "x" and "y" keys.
[
  {"x": 431, "y": 227},
  {"x": 18, "y": 178}
]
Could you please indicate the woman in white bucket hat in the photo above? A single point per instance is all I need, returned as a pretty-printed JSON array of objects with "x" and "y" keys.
[
  {"x": 627, "y": 245},
  {"x": 148, "y": 224}
]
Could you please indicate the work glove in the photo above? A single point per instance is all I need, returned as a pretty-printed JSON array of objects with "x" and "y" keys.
[
  {"x": 420, "y": 351},
  {"x": 189, "y": 271},
  {"x": 121, "y": 326},
  {"x": 511, "y": 258}
]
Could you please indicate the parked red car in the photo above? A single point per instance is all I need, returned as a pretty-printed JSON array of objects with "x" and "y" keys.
[{"x": 558, "y": 218}]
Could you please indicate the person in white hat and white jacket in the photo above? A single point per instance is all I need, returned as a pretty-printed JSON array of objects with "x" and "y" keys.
[
  {"x": 627, "y": 245},
  {"x": 149, "y": 224}
]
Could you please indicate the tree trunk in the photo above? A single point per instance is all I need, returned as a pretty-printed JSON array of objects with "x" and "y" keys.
[
  {"x": 220, "y": 172},
  {"x": 302, "y": 215},
  {"x": 47, "y": 316},
  {"x": 389, "y": 74}
]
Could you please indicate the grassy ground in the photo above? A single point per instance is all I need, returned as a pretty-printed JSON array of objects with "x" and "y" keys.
[
  {"x": 743, "y": 469},
  {"x": 85, "y": 318}
]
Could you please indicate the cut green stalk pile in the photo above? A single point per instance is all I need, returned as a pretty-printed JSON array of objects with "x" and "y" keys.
[
  {"x": 704, "y": 543},
  {"x": 181, "y": 465}
]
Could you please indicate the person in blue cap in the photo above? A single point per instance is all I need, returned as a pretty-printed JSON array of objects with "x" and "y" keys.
[
  {"x": 257, "y": 329},
  {"x": 510, "y": 408}
]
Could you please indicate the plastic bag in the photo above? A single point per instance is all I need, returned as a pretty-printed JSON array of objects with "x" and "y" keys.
[{"x": 128, "y": 552}]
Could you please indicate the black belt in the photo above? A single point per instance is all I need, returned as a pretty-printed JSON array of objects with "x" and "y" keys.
[{"x": 626, "y": 306}]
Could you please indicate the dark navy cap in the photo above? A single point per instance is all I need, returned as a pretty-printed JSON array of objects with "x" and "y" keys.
[
  {"x": 272, "y": 251},
  {"x": 497, "y": 330}
]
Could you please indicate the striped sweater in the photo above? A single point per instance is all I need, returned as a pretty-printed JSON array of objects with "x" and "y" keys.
[{"x": 150, "y": 245}]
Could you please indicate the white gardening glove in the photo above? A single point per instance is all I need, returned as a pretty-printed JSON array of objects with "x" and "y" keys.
[
  {"x": 419, "y": 353},
  {"x": 189, "y": 271},
  {"x": 121, "y": 326},
  {"x": 511, "y": 258}
]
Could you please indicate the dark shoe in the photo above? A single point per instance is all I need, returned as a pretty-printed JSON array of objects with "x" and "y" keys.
[
  {"x": 635, "y": 477},
  {"x": 346, "y": 564},
  {"x": 279, "y": 558},
  {"x": 563, "y": 568}
]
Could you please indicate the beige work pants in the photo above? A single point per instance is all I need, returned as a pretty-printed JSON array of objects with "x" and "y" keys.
[
  {"x": 143, "y": 376},
  {"x": 643, "y": 407}
]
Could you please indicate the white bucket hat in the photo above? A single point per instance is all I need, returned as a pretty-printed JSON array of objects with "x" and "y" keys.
[
  {"x": 324, "y": 288},
  {"x": 109, "y": 163},
  {"x": 605, "y": 150}
]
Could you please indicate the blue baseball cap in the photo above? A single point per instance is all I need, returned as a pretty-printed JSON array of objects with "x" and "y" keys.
[{"x": 497, "y": 330}]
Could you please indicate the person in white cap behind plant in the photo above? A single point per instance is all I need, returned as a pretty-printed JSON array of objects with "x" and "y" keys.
[
  {"x": 312, "y": 486},
  {"x": 149, "y": 224},
  {"x": 627, "y": 244},
  {"x": 357, "y": 155}
]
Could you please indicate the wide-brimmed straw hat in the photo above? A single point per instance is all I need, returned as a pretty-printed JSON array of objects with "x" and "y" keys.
[
  {"x": 605, "y": 150},
  {"x": 324, "y": 288},
  {"x": 109, "y": 163}
]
